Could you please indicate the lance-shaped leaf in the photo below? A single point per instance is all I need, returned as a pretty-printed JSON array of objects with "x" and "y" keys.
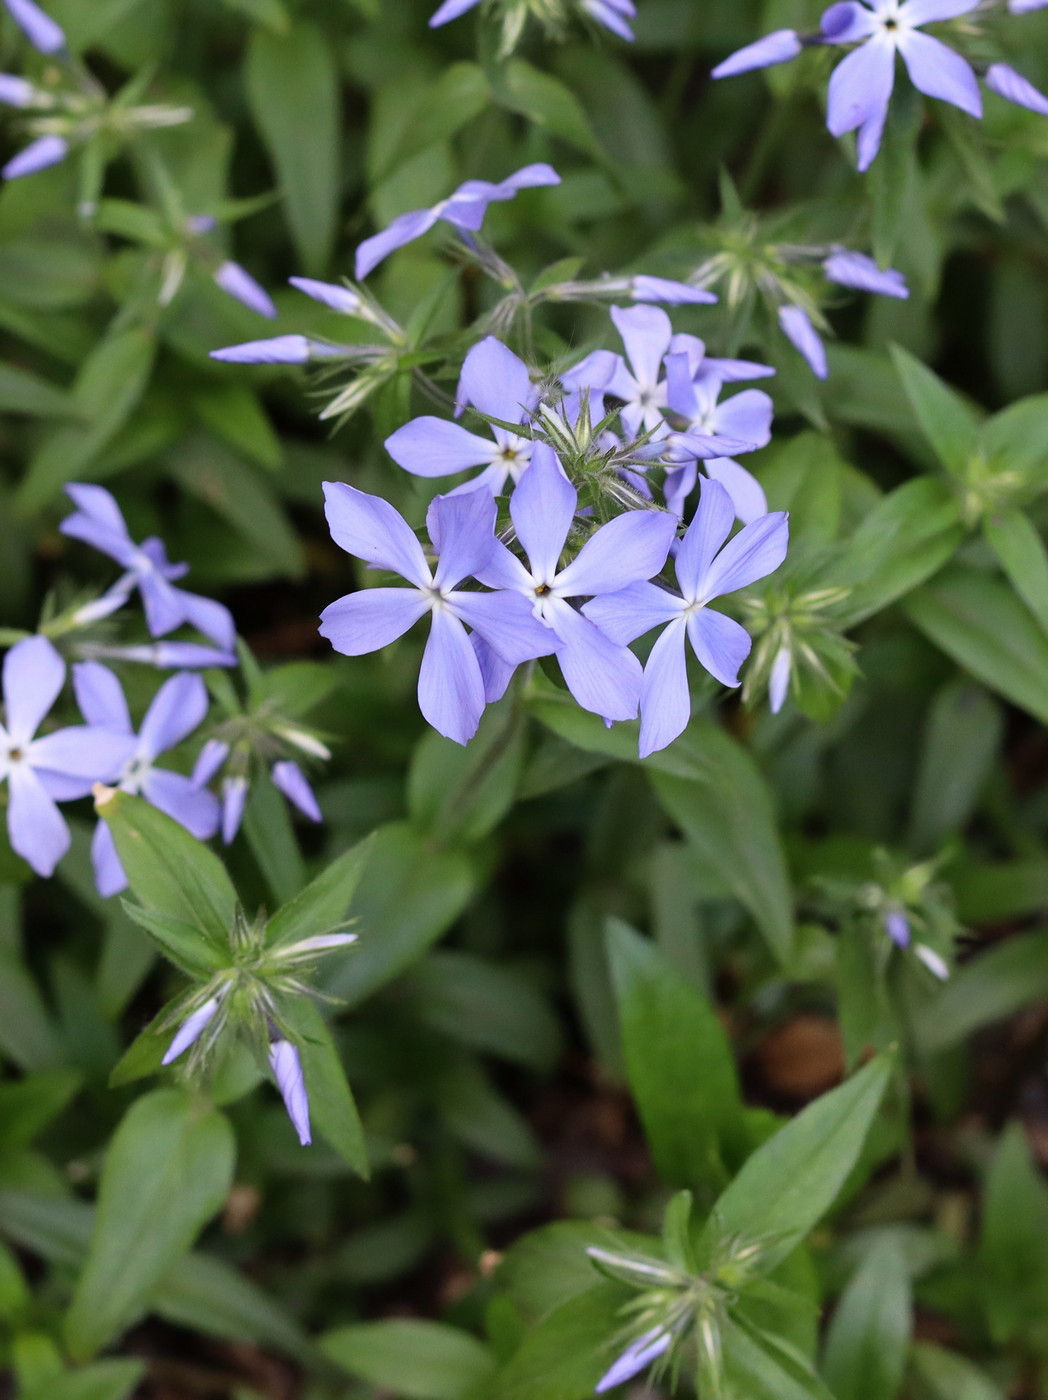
[
  {"x": 167, "y": 1172},
  {"x": 169, "y": 871},
  {"x": 869, "y": 1338},
  {"x": 947, "y": 420},
  {"x": 793, "y": 1179},
  {"x": 416, "y": 1359},
  {"x": 324, "y": 903}
]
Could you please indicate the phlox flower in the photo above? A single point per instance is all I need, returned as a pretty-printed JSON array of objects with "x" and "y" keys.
[
  {"x": 465, "y": 209},
  {"x": 636, "y": 1358},
  {"x": 287, "y": 777},
  {"x": 707, "y": 568},
  {"x": 98, "y": 521},
  {"x": 496, "y": 382},
  {"x": 602, "y": 675},
  {"x": 451, "y": 691},
  {"x": 178, "y": 708},
  {"x": 286, "y": 1065},
  {"x": 58, "y": 767},
  {"x": 38, "y": 155},
  {"x": 862, "y": 84},
  {"x": 238, "y": 283}
]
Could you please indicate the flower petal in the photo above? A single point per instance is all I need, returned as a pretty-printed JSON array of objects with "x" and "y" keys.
[
  {"x": 451, "y": 9},
  {"x": 371, "y": 529},
  {"x": 371, "y": 619},
  {"x": 496, "y": 382},
  {"x": 746, "y": 492},
  {"x": 462, "y": 529},
  {"x": 33, "y": 677},
  {"x": 209, "y": 761},
  {"x": 746, "y": 416},
  {"x": 495, "y": 672},
  {"x": 101, "y": 696},
  {"x": 848, "y": 23},
  {"x": 234, "y": 799},
  {"x": 928, "y": 11},
  {"x": 543, "y": 508},
  {"x": 507, "y": 622},
  {"x": 779, "y": 680},
  {"x": 40, "y": 29},
  {"x": 665, "y": 702},
  {"x": 338, "y": 298},
  {"x": 110, "y": 878},
  {"x": 603, "y": 677},
  {"x": 634, "y": 1359},
  {"x": 861, "y": 86},
  {"x": 238, "y": 283},
  {"x": 195, "y": 808},
  {"x": 287, "y": 1070},
  {"x": 84, "y": 751},
  {"x": 778, "y": 47},
  {"x": 1007, "y": 83},
  {"x": 805, "y": 338},
  {"x": 38, "y": 155},
  {"x": 192, "y": 1028},
  {"x": 450, "y": 685},
  {"x": 277, "y": 350},
  {"x": 36, "y": 827},
  {"x": 646, "y": 333},
  {"x": 711, "y": 526},
  {"x": 180, "y": 705},
  {"x": 756, "y": 551},
  {"x": 434, "y": 447},
  {"x": 628, "y": 614},
  {"x": 404, "y": 229},
  {"x": 938, "y": 71},
  {"x": 857, "y": 270},
  {"x": 631, "y": 548},
  {"x": 720, "y": 643},
  {"x": 209, "y": 616},
  {"x": 294, "y": 784}
]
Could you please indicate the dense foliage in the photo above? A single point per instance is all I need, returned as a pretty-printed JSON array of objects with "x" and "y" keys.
[{"x": 524, "y": 593}]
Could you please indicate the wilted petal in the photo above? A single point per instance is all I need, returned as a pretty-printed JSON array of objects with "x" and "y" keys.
[
  {"x": 38, "y": 27},
  {"x": 38, "y": 155},
  {"x": 287, "y": 1070},
  {"x": 756, "y": 551},
  {"x": 238, "y": 283},
  {"x": 179, "y": 706},
  {"x": 626, "y": 550},
  {"x": 1007, "y": 83},
  {"x": 370, "y": 528},
  {"x": 191, "y": 1030},
  {"x": 33, "y": 677},
  {"x": 711, "y": 526},
  {"x": 628, "y": 614},
  {"x": 665, "y": 703},
  {"x": 109, "y": 873},
  {"x": 496, "y": 382},
  {"x": 294, "y": 784},
  {"x": 804, "y": 337},
  {"x": 371, "y": 619},
  {"x": 778, "y": 47},
  {"x": 434, "y": 447},
  {"x": 746, "y": 492},
  {"x": 507, "y": 622},
  {"x": 101, "y": 696},
  {"x": 404, "y": 229},
  {"x": 450, "y": 686},
  {"x": 36, "y": 828},
  {"x": 195, "y": 808},
  {"x": 939, "y": 71},
  {"x": 603, "y": 677},
  {"x": 632, "y": 1361},
  {"x": 720, "y": 643},
  {"x": 337, "y": 298},
  {"x": 857, "y": 270}
]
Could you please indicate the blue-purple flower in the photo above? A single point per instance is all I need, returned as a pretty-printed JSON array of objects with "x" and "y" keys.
[
  {"x": 38, "y": 27},
  {"x": 98, "y": 521},
  {"x": 238, "y": 283},
  {"x": 862, "y": 84},
  {"x": 707, "y": 568},
  {"x": 602, "y": 675},
  {"x": 179, "y": 706},
  {"x": 57, "y": 767},
  {"x": 451, "y": 690},
  {"x": 465, "y": 209},
  {"x": 636, "y": 1358},
  {"x": 287, "y": 777},
  {"x": 286, "y": 1065},
  {"x": 38, "y": 155},
  {"x": 497, "y": 383}
]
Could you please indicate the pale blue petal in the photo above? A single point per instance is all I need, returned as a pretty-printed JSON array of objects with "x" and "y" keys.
[
  {"x": 496, "y": 382},
  {"x": 746, "y": 417},
  {"x": 209, "y": 761},
  {"x": 36, "y": 828},
  {"x": 234, "y": 799},
  {"x": 938, "y": 71},
  {"x": 39, "y": 28},
  {"x": 628, "y": 614},
  {"x": 162, "y": 604},
  {"x": 38, "y": 155},
  {"x": 779, "y": 680},
  {"x": 505, "y": 570},
  {"x": 720, "y": 643},
  {"x": 277, "y": 350},
  {"x": 239, "y": 284},
  {"x": 848, "y": 23},
  {"x": 100, "y": 696},
  {"x": 756, "y": 551},
  {"x": 632, "y": 1361},
  {"x": 746, "y": 492},
  {"x": 507, "y": 622},
  {"x": 778, "y": 47},
  {"x": 338, "y": 298},
  {"x": 209, "y": 616},
  {"x": 404, "y": 229},
  {"x": 1009, "y": 84},
  {"x": 668, "y": 292},
  {"x": 861, "y": 86},
  {"x": 451, "y": 9},
  {"x": 294, "y": 784},
  {"x": 665, "y": 704},
  {"x": 180, "y": 705},
  {"x": 109, "y": 872},
  {"x": 287, "y": 1070},
  {"x": 626, "y": 550},
  {"x": 603, "y": 677},
  {"x": 542, "y": 508},
  {"x": 33, "y": 677},
  {"x": 195, "y": 808},
  {"x": 434, "y": 447},
  {"x": 804, "y": 337},
  {"x": 84, "y": 752},
  {"x": 646, "y": 333},
  {"x": 192, "y": 1028},
  {"x": 857, "y": 270},
  {"x": 371, "y": 529},
  {"x": 371, "y": 619},
  {"x": 462, "y": 528},
  {"x": 929, "y": 11},
  {"x": 495, "y": 672},
  {"x": 711, "y": 526},
  {"x": 450, "y": 685}
]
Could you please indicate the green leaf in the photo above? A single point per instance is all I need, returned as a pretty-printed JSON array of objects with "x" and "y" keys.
[
  {"x": 869, "y": 1337},
  {"x": 979, "y": 622},
  {"x": 565, "y": 1355},
  {"x": 992, "y": 986},
  {"x": 1017, "y": 544},
  {"x": 946, "y": 419},
  {"x": 234, "y": 413},
  {"x": 170, "y": 871},
  {"x": 713, "y": 789},
  {"x": 1013, "y": 1247},
  {"x": 962, "y": 737},
  {"x": 167, "y": 1172},
  {"x": 1016, "y": 441},
  {"x": 271, "y": 835},
  {"x": 793, "y": 1179},
  {"x": 104, "y": 1380},
  {"x": 212, "y": 1297},
  {"x": 461, "y": 793},
  {"x": 22, "y": 392},
  {"x": 29, "y": 1104},
  {"x": 410, "y": 893},
  {"x": 418, "y": 1360},
  {"x": 546, "y": 101},
  {"x": 461, "y": 93},
  {"x": 943, "y": 1375},
  {"x": 270, "y": 13},
  {"x": 27, "y": 1035},
  {"x": 293, "y": 88},
  {"x": 183, "y": 943},
  {"x": 324, "y": 903},
  {"x": 904, "y": 540},
  {"x": 331, "y": 1103},
  {"x": 766, "y": 1367},
  {"x": 108, "y": 388},
  {"x": 681, "y": 1068}
]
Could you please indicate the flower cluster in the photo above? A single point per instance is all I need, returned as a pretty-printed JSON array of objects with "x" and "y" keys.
[{"x": 861, "y": 85}]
